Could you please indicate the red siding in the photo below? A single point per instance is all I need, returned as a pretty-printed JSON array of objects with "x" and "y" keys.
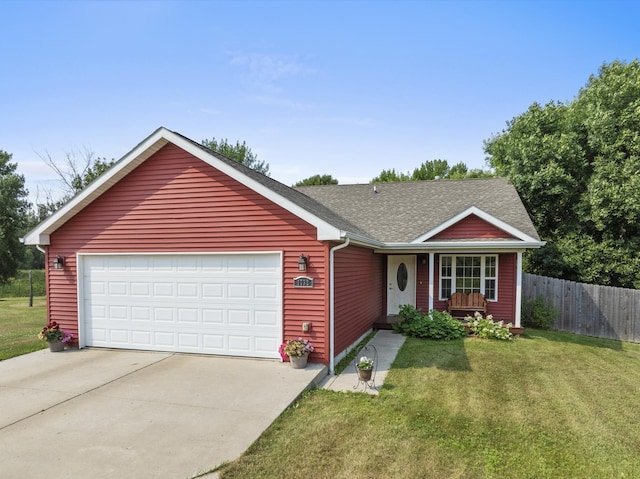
[
  {"x": 359, "y": 299},
  {"x": 504, "y": 308},
  {"x": 174, "y": 202},
  {"x": 422, "y": 283},
  {"x": 471, "y": 227}
]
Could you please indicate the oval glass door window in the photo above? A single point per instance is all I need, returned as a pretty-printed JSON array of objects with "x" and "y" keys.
[{"x": 402, "y": 276}]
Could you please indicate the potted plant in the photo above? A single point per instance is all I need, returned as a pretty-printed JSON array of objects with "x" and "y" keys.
[
  {"x": 364, "y": 366},
  {"x": 298, "y": 351},
  {"x": 55, "y": 336}
]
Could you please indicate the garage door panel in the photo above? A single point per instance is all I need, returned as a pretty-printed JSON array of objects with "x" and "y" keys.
[{"x": 216, "y": 304}]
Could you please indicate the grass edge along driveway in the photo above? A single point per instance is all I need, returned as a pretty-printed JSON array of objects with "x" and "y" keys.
[
  {"x": 20, "y": 325},
  {"x": 547, "y": 405}
]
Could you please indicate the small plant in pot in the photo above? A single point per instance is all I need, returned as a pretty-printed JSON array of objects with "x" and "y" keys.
[
  {"x": 57, "y": 337},
  {"x": 365, "y": 368},
  {"x": 298, "y": 351}
]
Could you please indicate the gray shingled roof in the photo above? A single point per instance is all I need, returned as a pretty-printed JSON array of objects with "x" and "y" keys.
[
  {"x": 398, "y": 212},
  {"x": 401, "y": 212}
]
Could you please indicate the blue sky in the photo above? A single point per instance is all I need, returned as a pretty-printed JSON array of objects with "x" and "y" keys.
[{"x": 340, "y": 88}]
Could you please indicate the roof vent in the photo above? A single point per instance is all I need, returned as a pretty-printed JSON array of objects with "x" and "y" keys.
[
  {"x": 375, "y": 189},
  {"x": 437, "y": 178}
]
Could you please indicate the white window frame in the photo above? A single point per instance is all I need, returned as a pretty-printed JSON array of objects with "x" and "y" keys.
[{"x": 483, "y": 276}]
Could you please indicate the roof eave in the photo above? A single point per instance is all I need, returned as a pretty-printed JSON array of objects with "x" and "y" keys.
[{"x": 471, "y": 246}]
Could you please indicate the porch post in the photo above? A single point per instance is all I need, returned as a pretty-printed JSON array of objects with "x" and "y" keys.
[
  {"x": 431, "y": 283},
  {"x": 518, "y": 289}
]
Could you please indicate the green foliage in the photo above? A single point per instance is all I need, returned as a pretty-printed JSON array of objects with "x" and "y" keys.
[
  {"x": 239, "y": 152},
  {"x": 576, "y": 167},
  {"x": 430, "y": 170},
  {"x": 94, "y": 169},
  {"x": 13, "y": 216},
  {"x": 317, "y": 180},
  {"x": 487, "y": 328},
  {"x": 435, "y": 325},
  {"x": 538, "y": 313},
  {"x": 18, "y": 285},
  {"x": 390, "y": 176}
]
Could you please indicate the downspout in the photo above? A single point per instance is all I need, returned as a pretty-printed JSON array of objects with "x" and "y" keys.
[{"x": 332, "y": 305}]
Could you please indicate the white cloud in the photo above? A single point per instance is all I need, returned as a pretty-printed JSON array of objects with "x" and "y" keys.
[{"x": 264, "y": 68}]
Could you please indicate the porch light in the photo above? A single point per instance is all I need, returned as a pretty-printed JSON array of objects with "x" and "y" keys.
[
  {"x": 302, "y": 263},
  {"x": 58, "y": 262}
]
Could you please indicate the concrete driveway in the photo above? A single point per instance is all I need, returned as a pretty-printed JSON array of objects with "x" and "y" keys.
[{"x": 104, "y": 413}]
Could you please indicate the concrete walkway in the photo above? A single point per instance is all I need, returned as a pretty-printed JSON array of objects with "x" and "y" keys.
[{"x": 387, "y": 344}]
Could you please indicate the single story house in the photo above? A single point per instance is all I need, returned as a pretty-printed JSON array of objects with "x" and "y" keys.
[{"x": 178, "y": 248}]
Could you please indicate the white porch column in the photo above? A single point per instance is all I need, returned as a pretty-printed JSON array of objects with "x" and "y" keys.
[
  {"x": 518, "y": 289},
  {"x": 431, "y": 281}
]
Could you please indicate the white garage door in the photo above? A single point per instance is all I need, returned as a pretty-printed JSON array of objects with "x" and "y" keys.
[{"x": 228, "y": 304}]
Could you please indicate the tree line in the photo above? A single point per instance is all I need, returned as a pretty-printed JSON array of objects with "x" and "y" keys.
[{"x": 575, "y": 164}]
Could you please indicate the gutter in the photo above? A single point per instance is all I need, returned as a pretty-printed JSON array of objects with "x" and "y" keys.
[{"x": 332, "y": 305}]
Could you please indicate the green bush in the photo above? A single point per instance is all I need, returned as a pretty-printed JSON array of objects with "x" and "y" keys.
[
  {"x": 487, "y": 328},
  {"x": 538, "y": 313},
  {"x": 435, "y": 325}
]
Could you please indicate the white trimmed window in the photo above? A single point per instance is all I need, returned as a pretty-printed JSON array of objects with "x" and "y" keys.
[{"x": 469, "y": 274}]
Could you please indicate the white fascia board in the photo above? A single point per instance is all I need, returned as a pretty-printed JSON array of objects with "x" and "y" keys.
[
  {"x": 41, "y": 233},
  {"x": 473, "y": 210}
]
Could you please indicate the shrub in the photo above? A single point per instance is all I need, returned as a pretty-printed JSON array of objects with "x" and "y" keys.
[
  {"x": 538, "y": 313},
  {"x": 487, "y": 328},
  {"x": 435, "y": 325}
]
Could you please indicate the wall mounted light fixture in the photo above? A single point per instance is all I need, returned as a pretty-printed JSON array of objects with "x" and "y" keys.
[
  {"x": 302, "y": 263},
  {"x": 58, "y": 262}
]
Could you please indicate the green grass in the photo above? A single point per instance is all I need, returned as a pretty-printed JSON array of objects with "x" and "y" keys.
[
  {"x": 18, "y": 287},
  {"x": 20, "y": 325},
  {"x": 547, "y": 405}
]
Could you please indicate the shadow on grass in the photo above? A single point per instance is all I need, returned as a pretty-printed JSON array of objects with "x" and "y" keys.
[
  {"x": 429, "y": 353},
  {"x": 564, "y": 337}
]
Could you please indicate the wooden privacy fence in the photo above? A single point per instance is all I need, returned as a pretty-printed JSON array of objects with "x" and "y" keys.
[{"x": 588, "y": 309}]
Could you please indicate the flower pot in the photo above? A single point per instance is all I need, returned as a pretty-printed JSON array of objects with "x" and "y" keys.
[
  {"x": 299, "y": 362},
  {"x": 365, "y": 374},
  {"x": 56, "y": 346}
]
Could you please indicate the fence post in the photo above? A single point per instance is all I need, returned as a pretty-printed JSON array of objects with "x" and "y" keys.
[{"x": 30, "y": 288}]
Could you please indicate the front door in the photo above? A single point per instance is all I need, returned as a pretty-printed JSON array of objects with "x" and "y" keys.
[{"x": 401, "y": 282}]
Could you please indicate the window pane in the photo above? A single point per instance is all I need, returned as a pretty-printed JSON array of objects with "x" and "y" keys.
[
  {"x": 490, "y": 267},
  {"x": 445, "y": 290},
  {"x": 468, "y": 274},
  {"x": 490, "y": 289}
]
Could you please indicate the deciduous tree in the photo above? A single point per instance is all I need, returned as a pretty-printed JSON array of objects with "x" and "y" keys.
[
  {"x": 576, "y": 166},
  {"x": 239, "y": 152},
  {"x": 317, "y": 180},
  {"x": 13, "y": 212}
]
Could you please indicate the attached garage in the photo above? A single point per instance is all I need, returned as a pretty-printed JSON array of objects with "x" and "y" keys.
[{"x": 226, "y": 304}]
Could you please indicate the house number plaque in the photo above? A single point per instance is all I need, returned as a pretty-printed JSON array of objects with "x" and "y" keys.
[{"x": 303, "y": 282}]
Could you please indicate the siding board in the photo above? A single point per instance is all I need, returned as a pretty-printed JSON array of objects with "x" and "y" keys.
[{"x": 359, "y": 296}]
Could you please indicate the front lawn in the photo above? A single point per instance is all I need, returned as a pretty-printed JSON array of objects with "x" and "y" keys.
[
  {"x": 547, "y": 405},
  {"x": 20, "y": 325}
]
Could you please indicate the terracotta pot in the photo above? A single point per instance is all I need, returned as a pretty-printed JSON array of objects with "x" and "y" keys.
[
  {"x": 56, "y": 346},
  {"x": 299, "y": 362},
  {"x": 365, "y": 374}
]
